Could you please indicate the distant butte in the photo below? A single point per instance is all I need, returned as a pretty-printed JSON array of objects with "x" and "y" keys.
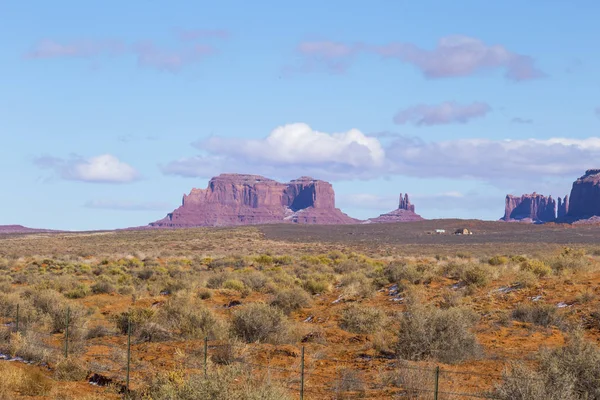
[
  {"x": 237, "y": 199},
  {"x": 584, "y": 202},
  {"x": 404, "y": 213},
  {"x": 530, "y": 208}
]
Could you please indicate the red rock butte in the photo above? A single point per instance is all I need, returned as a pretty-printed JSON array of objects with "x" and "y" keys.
[
  {"x": 404, "y": 213},
  {"x": 530, "y": 207},
  {"x": 237, "y": 199},
  {"x": 584, "y": 201}
]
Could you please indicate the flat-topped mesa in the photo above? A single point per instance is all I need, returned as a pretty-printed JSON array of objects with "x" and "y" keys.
[
  {"x": 404, "y": 213},
  {"x": 239, "y": 199},
  {"x": 584, "y": 201},
  {"x": 529, "y": 207},
  {"x": 404, "y": 203}
]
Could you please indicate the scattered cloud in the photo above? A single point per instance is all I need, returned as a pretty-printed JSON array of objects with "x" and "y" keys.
[
  {"x": 48, "y": 48},
  {"x": 297, "y": 149},
  {"x": 459, "y": 55},
  {"x": 104, "y": 168},
  {"x": 445, "y": 113},
  {"x": 334, "y": 57},
  {"x": 127, "y": 205},
  {"x": 147, "y": 53},
  {"x": 597, "y": 111},
  {"x": 454, "y": 56},
  {"x": 492, "y": 160},
  {"x": 519, "y": 120}
]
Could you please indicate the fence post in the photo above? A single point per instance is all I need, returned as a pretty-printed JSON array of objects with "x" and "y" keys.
[
  {"x": 128, "y": 352},
  {"x": 67, "y": 333},
  {"x": 437, "y": 382},
  {"x": 205, "y": 357},
  {"x": 17, "y": 323},
  {"x": 302, "y": 375}
]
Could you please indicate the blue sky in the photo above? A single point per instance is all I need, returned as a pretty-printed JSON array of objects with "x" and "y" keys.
[{"x": 110, "y": 111}]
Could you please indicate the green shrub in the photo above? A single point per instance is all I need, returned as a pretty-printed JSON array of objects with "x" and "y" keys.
[
  {"x": 190, "y": 318},
  {"x": 571, "y": 372},
  {"x": 290, "y": 300},
  {"x": 138, "y": 317},
  {"x": 443, "y": 334},
  {"x": 103, "y": 286},
  {"x": 362, "y": 319},
  {"x": 400, "y": 271},
  {"x": 254, "y": 280},
  {"x": 259, "y": 322},
  {"x": 539, "y": 268},
  {"x": 70, "y": 369},
  {"x": 234, "y": 284},
  {"x": 317, "y": 285},
  {"x": 79, "y": 292},
  {"x": 476, "y": 275},
  {"x": 498, "y": 260},
  {"x": 538, "y": 314},
  {"x": 223, "y": 383}
]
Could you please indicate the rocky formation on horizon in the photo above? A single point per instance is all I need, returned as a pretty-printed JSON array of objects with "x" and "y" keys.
[
  {"x": 563, "y": 207},
  {"x": 584, "y": 201},
  {"x": 529, "y": 208},
  {"x": 8, "y": 229},
  {"x": 404, "y": 213},
  {"x": 239, "y": 199}
]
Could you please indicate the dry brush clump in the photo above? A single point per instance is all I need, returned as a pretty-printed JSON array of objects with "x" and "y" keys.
[
  {"x": 571, "y": 372},
  {"x": 259, "y": 322},
  {"x": 362, "y": 319},
  {"x": 427, "y": 332},
  {"x": 222, "y": 383}
]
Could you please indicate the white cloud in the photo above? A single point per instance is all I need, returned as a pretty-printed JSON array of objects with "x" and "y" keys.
[
  {"x": 485, "y": 159},
  {"x": 445, "y": 113},
  {"x": 104, "y": 168},
  {"x": 299, "y": 144},
  {"x": 296, "y": 149}
]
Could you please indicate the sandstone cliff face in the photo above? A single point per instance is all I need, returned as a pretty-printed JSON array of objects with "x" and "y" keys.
[
  {"x": 563, "y": 207},
  {"x": 529, "y": 207},
  {"x": 235, "y": 199},
  {"x": 584, "y": 201},
  {"x": 404, "y": 213}
]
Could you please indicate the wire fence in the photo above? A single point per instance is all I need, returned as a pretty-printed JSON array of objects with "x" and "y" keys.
[{"x": 122, "y": 360}]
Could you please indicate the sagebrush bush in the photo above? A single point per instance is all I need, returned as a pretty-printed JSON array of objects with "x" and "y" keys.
[
  {"x": 290, "y": 300},
  {"x": 225, "y": 383},
  {"x": 138, "y": 317},
  {"x": 259, "y": 322},
  {"x": 362, "y": 319},
  {"x": 398, "y": 271},
  {"x": 538, "y": 314},
  {"x": 539, "y": 268},
  {"x": 70, "y": 369},
  {"x": 317, "y": 285},
  {"x": 188, "y": 317},
  {"x": 498, "y": 260},
  {"x": 571, "y": 372},
  {"x": 429, "y": 332}
]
